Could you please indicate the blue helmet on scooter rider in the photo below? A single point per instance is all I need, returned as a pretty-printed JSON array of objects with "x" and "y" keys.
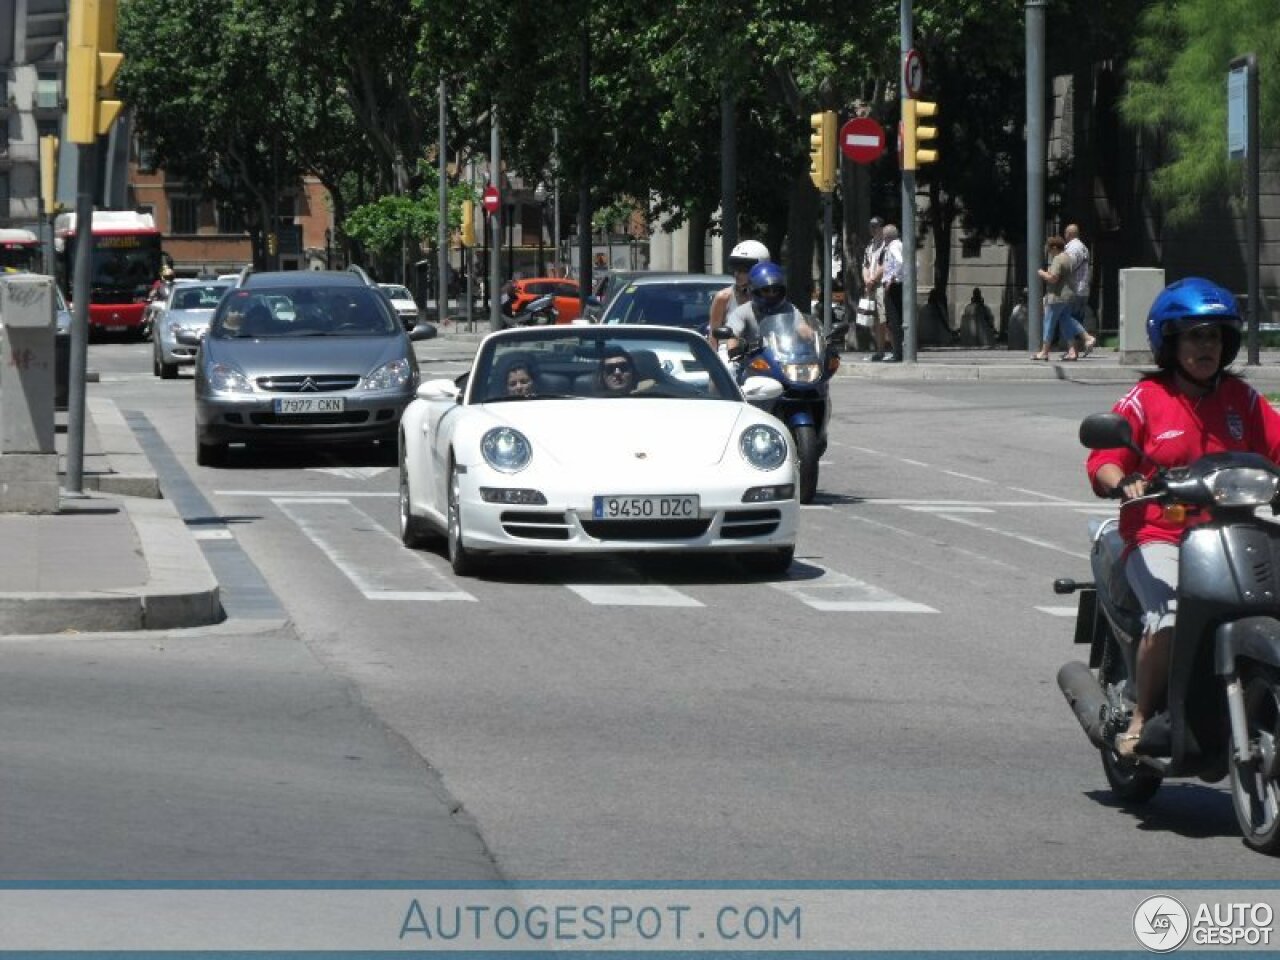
[
  {"x": 768, "y": 287},
  {"x": 1188, "y": 303}
]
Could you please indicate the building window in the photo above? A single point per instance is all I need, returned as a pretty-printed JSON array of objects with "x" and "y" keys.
[
  {"x": 47, "y": 128},
  {"x": 184, "y": 214},
  {"x": 230, "y": 219},
  {"x": 47, "y": 92}
]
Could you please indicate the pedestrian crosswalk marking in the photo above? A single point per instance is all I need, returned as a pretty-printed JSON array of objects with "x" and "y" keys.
[
  {"x": 358, "y": 546},
  {"x": 1059, "y": 611},
  {"x": 836, "y": 593},
  {"x": 632, "y": 595},
  {"x": 936, "y": 509}
]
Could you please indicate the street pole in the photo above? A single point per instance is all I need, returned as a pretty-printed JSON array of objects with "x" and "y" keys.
[
  {"x": 1253, "y": 173},
  {"x": 1035, "y": 169},
  {"x": 86, "y": 163},
  {"x": 442, "y": 228},
  {"x": 495, "y": 221},
  {"x": 909, "y": 338},
  {"x": 555, "y": 173},
  {"x": 471, "y": 256},
  {"x": 728, "y": 176},
  {"x": 827, "y": 204}
]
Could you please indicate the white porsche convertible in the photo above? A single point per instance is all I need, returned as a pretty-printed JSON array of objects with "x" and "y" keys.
[{"x": 591, "y": 439}]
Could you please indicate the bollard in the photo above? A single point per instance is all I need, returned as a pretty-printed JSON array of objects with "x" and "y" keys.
[
  {"x": 28, "y": 457},
  {"x": 1139, "y": 287}
]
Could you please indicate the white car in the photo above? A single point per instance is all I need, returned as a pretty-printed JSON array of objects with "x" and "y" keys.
[
  {"x": 402, "y": 300},
  {"x": 609, "y": 453}
]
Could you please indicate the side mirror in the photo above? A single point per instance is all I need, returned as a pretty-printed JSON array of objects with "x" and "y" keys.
[
  {"x": 759, "y": 390},
  {"x": 723, "y": 333},
  {"x": 423, "y": 331},
  {"x": 1107, "y": 431},
  {"x": 438, "y": 390}
]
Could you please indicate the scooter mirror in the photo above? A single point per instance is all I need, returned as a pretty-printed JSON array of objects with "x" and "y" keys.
[{"x": 1106, "y": 431}]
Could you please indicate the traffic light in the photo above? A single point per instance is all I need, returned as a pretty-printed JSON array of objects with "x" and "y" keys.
[
  {"x": 273, "y": 244},
  {"x": 822, "y": 150},
  {"x": 468, "y": 223},
  {"x": 49, "y": 174},
  {"x": 92, "y": 65},
  {"x": 912, "y": 133}
]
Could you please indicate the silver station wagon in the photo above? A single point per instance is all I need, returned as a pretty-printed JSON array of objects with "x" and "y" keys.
[{"x": 301, "y": 356}]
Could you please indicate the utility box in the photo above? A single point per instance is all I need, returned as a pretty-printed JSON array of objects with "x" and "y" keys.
[
  {"x": 1139, "y": 287},
  {"x": 28, "y": 457}
]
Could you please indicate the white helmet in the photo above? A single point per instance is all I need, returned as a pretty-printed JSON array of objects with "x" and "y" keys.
[{"x": 747, "y": 254}]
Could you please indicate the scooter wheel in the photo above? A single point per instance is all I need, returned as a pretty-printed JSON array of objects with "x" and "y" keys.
[{"x": 1255, "y": 783}]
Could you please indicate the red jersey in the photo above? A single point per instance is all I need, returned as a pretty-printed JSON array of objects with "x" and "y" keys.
[{"x": 1174, "y": 430}]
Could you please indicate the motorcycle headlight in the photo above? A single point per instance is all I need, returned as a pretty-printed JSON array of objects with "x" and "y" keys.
[
  {"x": 389, "y": 376},
  {"x": 224, "y": 378},
  {"x": 763, "y": 447},
  {"x": 1242, "y": 487},
  {"x": 802, "y": 372},
  {"x": 506, "y": 449}
]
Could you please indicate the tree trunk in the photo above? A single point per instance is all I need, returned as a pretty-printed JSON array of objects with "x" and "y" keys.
[
  {"x": 699, "y": 221},
  {"x": 804, "y": 210}
]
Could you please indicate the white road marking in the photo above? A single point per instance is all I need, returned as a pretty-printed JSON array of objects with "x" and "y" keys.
[
  {"x": 932, "y": 508},
  {"x": 1036, "y": 493},
  {"x": 302, "y": 494},
  {"x": 212, "y": 533},
  {"x": 632, "y": 595},
  {"x": 351, "y": 473},
  {"x": 358, "y": 546},
  {"x": 1059, "y": 611},
  {"x": 945, "y": 504},
  {"x": 836, "y": 593},
  {"x": 951, "y": 547},
  {"x": 967, "y": 476},
  {"x": 1033, "y": 541}
]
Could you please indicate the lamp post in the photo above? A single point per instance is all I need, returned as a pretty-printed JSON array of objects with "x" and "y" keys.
[
  {"x": 540, "y": 195},
  {"x": 328, "y": 242}
]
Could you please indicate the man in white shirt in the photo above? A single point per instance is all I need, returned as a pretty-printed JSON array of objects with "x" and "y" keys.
[
  {"x": 891, "y": 281},
  {"x": 1079, "y": 283}
]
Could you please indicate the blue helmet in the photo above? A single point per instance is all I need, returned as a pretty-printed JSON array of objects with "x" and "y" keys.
[
  {"x": 1192, "y": 302},
  {"x": 764, "y": 276}
]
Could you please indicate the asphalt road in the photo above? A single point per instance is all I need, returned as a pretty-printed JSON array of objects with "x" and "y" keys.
[{"x": 886, "y": 711}]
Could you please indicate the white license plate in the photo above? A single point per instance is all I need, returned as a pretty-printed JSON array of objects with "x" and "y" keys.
[
  {"x": 310, "y": 404},
  {"x": 683, "y": 507}
]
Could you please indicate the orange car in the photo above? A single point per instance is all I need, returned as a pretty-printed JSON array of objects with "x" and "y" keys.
[{"x": 565, "y": 292}]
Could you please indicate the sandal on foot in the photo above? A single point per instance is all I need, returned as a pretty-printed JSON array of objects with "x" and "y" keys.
[{"x": 1088, "y": 347}]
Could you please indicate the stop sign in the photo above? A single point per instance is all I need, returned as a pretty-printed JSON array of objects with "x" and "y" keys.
[
  {"x": 862, "y": 140},
  {"x": 489, "y": 199}
]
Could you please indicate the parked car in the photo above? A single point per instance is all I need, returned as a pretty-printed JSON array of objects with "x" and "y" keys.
[
  {"x": 61, "y": 350},
  {"x": 670, "y": 299},
  {"x": 605, "y": 286},
  {"x": 302, "y": 356},
  {"x": 579, "y": 440},
  {"x": 180, "y": 321},
  {"x": 402, "y": 300},
  {"x": 565, "y": 292}
]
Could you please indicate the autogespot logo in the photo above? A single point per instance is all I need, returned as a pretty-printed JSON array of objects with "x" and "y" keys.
[{"x": 1161, "y": 924}]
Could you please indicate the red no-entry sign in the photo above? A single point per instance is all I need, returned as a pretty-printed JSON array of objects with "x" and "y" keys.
[
  {"x": 862, "y": 140},
  {"x": 489, "y": 199}
]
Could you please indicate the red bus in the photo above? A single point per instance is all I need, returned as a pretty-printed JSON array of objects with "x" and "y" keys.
[
  {"x": 126, "y": 261},
  {"x": 19, "y": 250}
]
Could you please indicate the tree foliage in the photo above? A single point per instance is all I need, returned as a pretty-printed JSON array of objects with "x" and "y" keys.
[{"x": 1177, "y": 90}]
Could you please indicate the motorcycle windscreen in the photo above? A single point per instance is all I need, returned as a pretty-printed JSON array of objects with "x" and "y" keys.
[{"x": 791, "y": 338}]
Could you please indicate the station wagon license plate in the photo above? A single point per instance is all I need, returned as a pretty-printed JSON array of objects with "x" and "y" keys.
[
  {"x": 682, "y": 507},
  {"x": 288, "y": 405}
]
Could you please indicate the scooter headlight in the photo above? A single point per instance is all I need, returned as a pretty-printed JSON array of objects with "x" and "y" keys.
[
  {"x": 506, "y": 449},
  {"x": 1242, "y": 487},
  {"x": 802, "y": 372},
  {"x": 763, "y": 447}
]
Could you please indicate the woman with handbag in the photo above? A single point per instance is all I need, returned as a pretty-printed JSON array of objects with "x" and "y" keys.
[{"x": 871, "y": 311}]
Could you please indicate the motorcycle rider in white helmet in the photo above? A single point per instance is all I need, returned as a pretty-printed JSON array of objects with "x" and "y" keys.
[{"x": 741, "y": 259}]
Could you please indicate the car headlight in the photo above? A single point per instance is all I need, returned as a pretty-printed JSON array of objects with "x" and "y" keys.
[
  {"x": 389, "y": 376},
  {"x": 506, "y": 449},
  {"x": 763, "y": 447},
  {"x": 224, "y": 378},
  {"x": 1242, "y": 487}
]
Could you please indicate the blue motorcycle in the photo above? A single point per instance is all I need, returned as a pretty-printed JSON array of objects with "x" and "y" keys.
[{"x": 794, "y": 352}]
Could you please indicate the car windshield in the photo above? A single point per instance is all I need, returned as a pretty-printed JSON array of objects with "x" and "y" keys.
[
  {"x": 303, "y": 311},
  {"x": 204, "y": 296},
  {"x": 556, "y": 363},
  {"x": 397, "y": 293},
  {"x": 674, "y": 304}
]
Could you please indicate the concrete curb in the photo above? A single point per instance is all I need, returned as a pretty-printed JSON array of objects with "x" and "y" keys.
[
  {"x": 180, "y": 592},
  {"x": 125, "y": 469}
]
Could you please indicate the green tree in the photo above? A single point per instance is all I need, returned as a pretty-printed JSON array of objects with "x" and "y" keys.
[{"x": 1177, "y": 91}]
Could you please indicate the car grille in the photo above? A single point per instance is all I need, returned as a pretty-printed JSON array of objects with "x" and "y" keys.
[
  {"x": 535, "y": 525},
  {"x": 646, "y": 529},
  {"x": 739, "y": 524},
  {"x": 316, "y": 382},
  {"x": 302, "y": 419}
]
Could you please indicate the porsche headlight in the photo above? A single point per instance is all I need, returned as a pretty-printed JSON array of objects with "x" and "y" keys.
[
  {"x": 506, "y": 449},
  {"x": 763, "y": 447},
  {"x": 389, "y": 376},
  {"x": 1242, "y": 487},
  {"x": 224, "y": 378}
]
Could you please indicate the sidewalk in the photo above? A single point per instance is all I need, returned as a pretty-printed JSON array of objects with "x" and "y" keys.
[
  {"x": 965, "y": 363},
  {"x": 116, "y": 558}
]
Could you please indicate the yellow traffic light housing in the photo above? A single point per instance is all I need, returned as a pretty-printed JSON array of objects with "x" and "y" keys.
[
  {"x": 273, "y": 244},
  {"x": 912, "y": 133},
  {"x": 49, "y": 174},
  {"x": 92, "y": 64},
  {"x": 468, "y": 223},
  {"x": 822, "y": 150}
]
